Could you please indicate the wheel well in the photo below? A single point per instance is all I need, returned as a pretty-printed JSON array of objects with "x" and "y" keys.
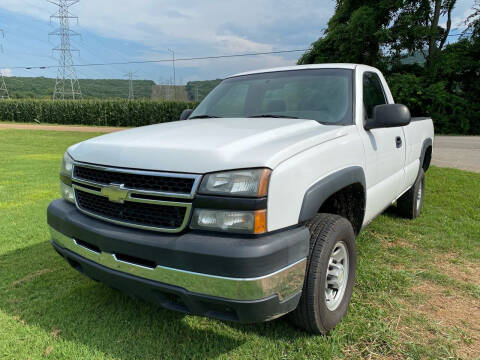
[
  {"x": 427, "y": 158},
  {"x": 349, "y": 203}
]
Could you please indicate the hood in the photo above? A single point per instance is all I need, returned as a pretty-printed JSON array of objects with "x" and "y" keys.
[{"x": 205, "y": 145}]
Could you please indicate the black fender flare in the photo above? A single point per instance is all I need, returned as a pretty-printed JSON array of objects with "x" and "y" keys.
[
  {"x": 316, "y": 194},
  {"x": 428, "y": 142}
]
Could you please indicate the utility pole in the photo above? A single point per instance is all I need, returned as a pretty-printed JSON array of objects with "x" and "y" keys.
[
  {"x": 174, "y": 80},
  {"x": 3, "y": 86},
  {"x": 130, "y": 75},
  {"x": 67, "y": 85}
]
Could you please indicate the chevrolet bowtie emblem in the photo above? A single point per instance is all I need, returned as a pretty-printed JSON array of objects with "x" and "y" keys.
[{"x": 115, "y": 193}]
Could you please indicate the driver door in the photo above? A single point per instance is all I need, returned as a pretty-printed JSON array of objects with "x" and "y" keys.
[{"x": 384, "y": 150}]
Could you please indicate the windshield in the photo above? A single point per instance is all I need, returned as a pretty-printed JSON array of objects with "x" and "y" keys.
[{"x": 324, "y": 95}]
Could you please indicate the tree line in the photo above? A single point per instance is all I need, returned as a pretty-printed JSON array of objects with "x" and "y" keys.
[
  {"x": 42, "y": 88},
  {"x": 442, "y": 81}
]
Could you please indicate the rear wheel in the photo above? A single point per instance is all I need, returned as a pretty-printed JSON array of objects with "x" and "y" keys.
[
  {"x": 410, "y": 204},
  {"x": 330, "y": 274}
]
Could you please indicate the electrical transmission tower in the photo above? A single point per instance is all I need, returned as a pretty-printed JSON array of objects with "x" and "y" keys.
[
  {"x": 3, "y": 86},
  {"x": 67, "y": 85},
  {"x": 130, "y": 75}
]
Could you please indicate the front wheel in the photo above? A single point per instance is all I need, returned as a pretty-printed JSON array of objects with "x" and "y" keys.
[{"x": 330, "y": 274}]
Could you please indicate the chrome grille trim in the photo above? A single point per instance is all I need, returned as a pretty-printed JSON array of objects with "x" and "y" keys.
[
  {"x": 77, "y": 184},
  {"x": 190, "y": 195}
]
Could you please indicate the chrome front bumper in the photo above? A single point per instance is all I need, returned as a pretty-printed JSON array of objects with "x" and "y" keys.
[{"x": 284, "y": 283}]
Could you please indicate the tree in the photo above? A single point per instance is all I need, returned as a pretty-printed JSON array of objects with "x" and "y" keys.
[
  {"x": 354, "y": 33},
  {"x": 382, "y": 33},
  {"x": 473, "y": 22},
  {"x": 415, "y": 28},
  {"x": 446, "y": 86}
]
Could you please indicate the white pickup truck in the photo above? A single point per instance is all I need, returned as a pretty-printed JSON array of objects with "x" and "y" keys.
[{"x": 248, "y": 208}]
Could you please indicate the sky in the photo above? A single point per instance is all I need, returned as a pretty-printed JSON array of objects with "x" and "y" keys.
[{"x": 126, "y": 30}]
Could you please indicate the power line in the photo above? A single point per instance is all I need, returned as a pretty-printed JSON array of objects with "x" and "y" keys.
[
  {"x": 66, "y": 71},
  {"x": 163, "y": 60},
  {"x": 459, "y": 34}
]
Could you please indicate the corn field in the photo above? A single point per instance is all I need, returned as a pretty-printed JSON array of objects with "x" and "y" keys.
[{"x": 92, "y": 112}]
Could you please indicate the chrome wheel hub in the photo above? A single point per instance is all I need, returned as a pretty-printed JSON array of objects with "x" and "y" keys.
[{"x": 337, "y": 276}]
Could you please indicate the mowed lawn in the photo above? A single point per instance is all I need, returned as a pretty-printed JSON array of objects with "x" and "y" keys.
[{"x": 417, "y": 293}]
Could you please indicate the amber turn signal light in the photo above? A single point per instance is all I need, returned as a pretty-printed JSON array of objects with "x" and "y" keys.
[
  {"x": 260, "y": 225},
  {"x": 264, "y": 181}
]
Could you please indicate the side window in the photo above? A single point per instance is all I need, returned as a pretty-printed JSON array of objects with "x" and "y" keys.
[{"x": 372, "y": 92}]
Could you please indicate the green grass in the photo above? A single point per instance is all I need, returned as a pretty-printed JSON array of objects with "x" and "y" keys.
[{"x": 47, "y": 310}]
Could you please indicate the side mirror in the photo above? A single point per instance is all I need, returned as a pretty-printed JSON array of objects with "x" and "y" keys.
[
  {"x": 389, "y": 115},
  {"x": 185, "y": 114}
]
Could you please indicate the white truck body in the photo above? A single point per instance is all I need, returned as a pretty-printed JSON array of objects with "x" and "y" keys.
[
  {"x": 300, "y": 152},
  {"x": 223, "y": 215}
]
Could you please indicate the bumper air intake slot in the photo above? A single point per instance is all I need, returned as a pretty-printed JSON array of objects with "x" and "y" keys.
[
  {"x": 88, "y": 246},
  {"x": 136, "y": 261}
]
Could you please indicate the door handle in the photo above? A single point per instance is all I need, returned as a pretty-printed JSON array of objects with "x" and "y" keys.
[{"x": 398, "y": 141}]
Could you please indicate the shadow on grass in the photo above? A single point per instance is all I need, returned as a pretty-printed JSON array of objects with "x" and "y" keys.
[
  {"x": 39, "y": 288},
  {"x": 392, "y": 212}
]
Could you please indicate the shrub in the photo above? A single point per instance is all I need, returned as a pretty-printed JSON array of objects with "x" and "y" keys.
[{"x": 451, "y": 113}]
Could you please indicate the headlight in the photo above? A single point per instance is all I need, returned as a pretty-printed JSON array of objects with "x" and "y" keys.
[
  {"x": 67, "y": 192},
  {"x": 66, "y": 173},
  {"x": 251, "y": 222},
  {"x": 67, "y": 166},
  {"x": 248, "y": 183}
]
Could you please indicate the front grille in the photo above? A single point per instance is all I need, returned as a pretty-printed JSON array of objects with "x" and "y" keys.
[
  {"x": 167, "y": 184},
  {"x": 135, "y": 213}
]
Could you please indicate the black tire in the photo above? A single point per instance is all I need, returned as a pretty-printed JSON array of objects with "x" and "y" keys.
[
  {"x": 409, "y": 205},
  {"x": 312, "y": 314}
]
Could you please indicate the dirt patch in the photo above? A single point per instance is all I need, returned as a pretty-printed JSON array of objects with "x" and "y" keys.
[
  {"x": 397, "y": 243},
  {"x": 451, "y": 310},
  {"x": 466, "y": 271},
  {"x": 91, "y": 129},
  {"x": 29, "y": 277},
  {"x": 389, "y": 242}
]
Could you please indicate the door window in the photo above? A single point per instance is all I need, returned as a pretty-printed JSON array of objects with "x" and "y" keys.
[{"x": 373, "y": 93}]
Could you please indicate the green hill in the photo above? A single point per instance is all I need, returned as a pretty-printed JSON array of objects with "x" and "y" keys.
[{"x": 41, "y": 87}]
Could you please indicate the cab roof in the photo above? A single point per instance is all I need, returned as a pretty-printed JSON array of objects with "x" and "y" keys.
[{"x": 301, "y": 67}]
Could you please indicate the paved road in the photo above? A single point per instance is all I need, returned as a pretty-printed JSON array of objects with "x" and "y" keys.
[{"x": 461, "y": 152}]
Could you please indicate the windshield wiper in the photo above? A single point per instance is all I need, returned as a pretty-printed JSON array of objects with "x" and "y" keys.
[
  {"x": 273, "y": 116},
  {"x": 204, "y": 117},
  {"x": 326, "y": 122}
]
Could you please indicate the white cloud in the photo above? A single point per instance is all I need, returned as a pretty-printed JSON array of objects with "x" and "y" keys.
[
  {"x": 458, "y": 22},
  {"x": 159, "y": 23},
  {"x": 198, "y": 28},
  {"x": 228, "y": 44},
  {"x": 6, "y": 72},
  {"x": 201, "y": 28},
  {"x": 460, "y": 13}
]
